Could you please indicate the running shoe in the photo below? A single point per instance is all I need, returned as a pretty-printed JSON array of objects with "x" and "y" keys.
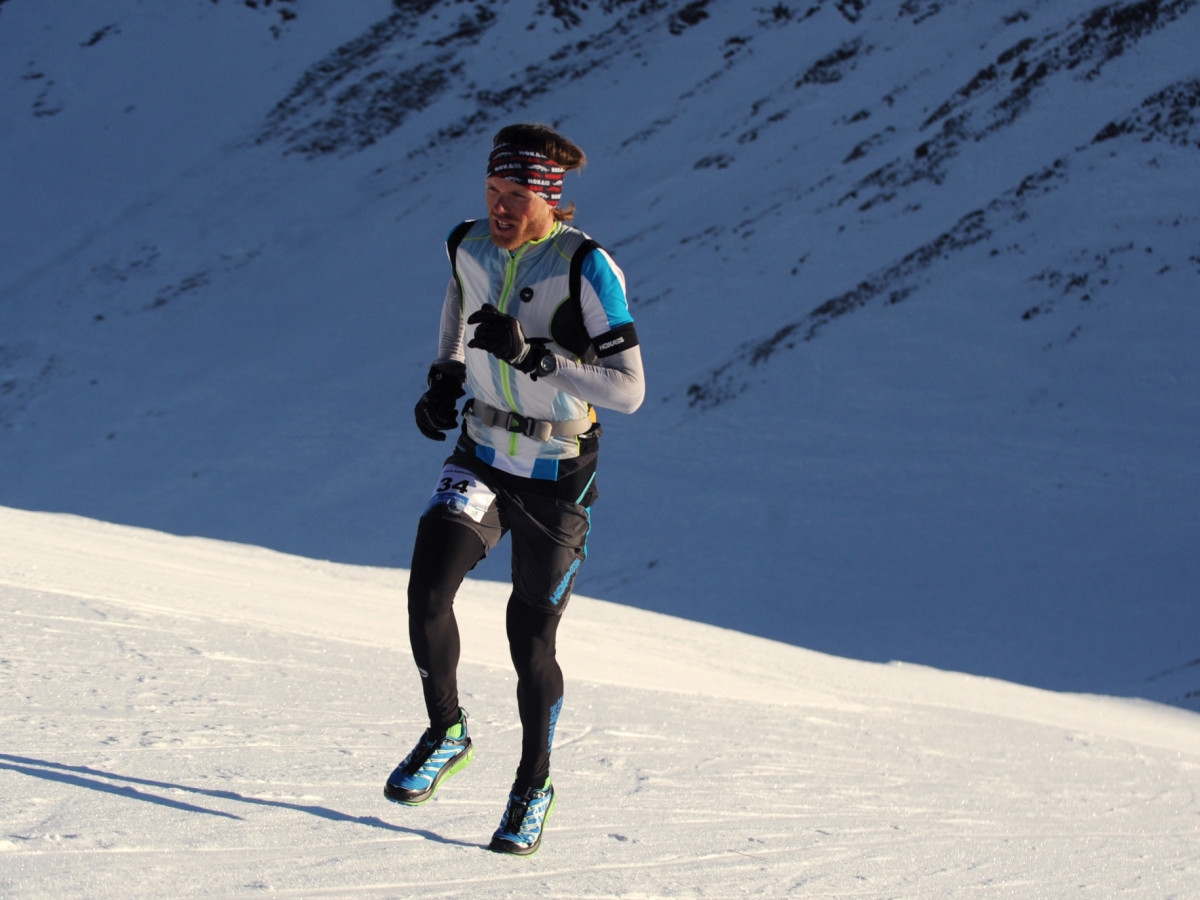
[
  {"x": 434, "y": 759},
  {"x": 520, "y": 831}
]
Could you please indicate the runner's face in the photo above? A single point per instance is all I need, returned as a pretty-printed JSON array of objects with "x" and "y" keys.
[{"x": 516, "y": 214}]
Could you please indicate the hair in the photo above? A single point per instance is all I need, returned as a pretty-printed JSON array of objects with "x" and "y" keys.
[{"x": 547, "y": 141}]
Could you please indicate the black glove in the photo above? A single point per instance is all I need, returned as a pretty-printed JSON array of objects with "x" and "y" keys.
[
  {"x": 500, "y": 335},
  {"x": 437, "y": 410}
]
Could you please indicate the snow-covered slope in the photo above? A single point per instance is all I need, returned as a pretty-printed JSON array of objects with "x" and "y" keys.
[
  {"x": 916, "y": 284},
  {"x": 188, "y": 718}
]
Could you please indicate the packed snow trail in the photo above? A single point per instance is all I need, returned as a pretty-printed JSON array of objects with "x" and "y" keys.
[{"x": 187, "y": 718}]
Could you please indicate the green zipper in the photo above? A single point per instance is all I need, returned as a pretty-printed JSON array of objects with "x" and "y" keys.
[{"x": 505, "y": 368}]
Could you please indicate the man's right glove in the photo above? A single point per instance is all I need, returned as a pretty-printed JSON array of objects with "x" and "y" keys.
[{"x": 437, "y": 409}]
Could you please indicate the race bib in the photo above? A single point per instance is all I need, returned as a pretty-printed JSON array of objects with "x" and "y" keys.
[{"x": 463, "y": 492}]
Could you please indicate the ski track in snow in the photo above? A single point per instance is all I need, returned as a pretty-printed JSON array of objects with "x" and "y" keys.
[
  {"x": 158, "y": 745},
  {"x": 217, "y": 303}
]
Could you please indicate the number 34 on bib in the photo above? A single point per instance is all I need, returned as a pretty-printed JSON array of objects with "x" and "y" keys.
[{"x": 462, "y": 491}]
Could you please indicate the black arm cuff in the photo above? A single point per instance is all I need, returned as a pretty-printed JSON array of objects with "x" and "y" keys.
[
  {"x": 623, "y": 337},
  {"x": 454, "y": 370}
]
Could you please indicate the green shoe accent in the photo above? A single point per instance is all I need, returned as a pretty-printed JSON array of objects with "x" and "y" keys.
[
  {"x": 524, "y": 823},
  {"x": 432, "y": 761}
]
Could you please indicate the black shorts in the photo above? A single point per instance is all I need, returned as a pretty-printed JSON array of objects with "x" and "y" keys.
[{"x": 549, "y": 522}]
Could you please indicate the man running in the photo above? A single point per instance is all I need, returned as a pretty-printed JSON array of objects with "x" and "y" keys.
[{"x": 536, "y": 327}]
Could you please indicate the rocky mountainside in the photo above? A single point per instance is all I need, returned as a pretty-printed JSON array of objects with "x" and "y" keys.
[{"x": 916, "y": 284}]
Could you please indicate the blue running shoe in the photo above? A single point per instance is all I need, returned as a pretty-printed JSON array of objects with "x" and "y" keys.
[
  {"x": 435, "y": 758},
  {"x": 520, "y": 831}
]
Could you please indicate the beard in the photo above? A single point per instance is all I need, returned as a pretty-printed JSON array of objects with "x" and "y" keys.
[{"x": 509, "y": 233}]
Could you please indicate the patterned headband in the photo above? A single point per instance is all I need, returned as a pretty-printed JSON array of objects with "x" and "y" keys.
[{"x": 528, "y": 168}]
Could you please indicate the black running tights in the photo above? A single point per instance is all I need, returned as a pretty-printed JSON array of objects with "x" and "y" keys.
[{"x": 445, "y": 552}]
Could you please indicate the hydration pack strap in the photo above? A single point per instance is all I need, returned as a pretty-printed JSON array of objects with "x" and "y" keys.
[{"x": 538, "y": 429}]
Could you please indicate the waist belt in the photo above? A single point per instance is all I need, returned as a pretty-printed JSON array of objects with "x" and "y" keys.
[{"x": 538, "y": 429}]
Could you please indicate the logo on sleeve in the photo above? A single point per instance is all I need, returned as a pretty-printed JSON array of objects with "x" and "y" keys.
[{"x": 615, "y": 342}]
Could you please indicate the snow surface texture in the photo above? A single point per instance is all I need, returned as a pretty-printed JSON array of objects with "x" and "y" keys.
[
  {"x": 916, "y": 284},
  {"x": 189, "y": 718}
]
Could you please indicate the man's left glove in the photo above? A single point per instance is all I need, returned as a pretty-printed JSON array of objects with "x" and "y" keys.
[
  {"x": 437, "y": 410},
  {"x": 500, "y": 335}
]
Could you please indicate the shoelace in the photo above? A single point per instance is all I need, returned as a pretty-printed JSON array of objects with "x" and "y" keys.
[
  {"x": 517, "y": 808},
  {"x": 423, "y": 751}
]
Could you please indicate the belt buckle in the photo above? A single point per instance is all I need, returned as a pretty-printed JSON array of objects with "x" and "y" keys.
[
  {"x": 530, "y": 427},
  {"x": 516, "y": 423}
]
